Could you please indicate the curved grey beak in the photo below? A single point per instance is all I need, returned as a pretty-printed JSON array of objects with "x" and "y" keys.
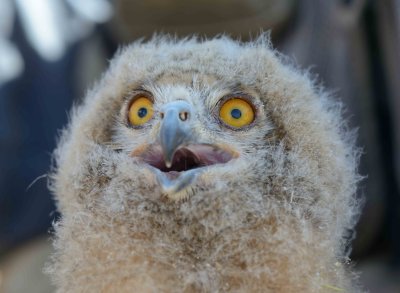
[{"x": 175, "y": 128}]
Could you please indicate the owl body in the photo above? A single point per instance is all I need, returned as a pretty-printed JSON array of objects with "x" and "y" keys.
[{"x": 263, "y": 207}]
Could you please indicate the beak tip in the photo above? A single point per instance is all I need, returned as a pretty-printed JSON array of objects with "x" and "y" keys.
[
  {"x": 168, "y": 163},
  {"x": 167, "y": 156}
]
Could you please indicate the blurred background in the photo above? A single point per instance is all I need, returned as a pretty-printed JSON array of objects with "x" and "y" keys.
[{"x": 51, "y": 51}]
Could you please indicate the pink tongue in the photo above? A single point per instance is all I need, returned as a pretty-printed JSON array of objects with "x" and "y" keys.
[{"x": 209, "y": 155}]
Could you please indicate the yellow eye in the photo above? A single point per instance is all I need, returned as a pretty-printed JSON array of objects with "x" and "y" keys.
[
  {"x": 140, "y": 111},
  {"x": 237, "y": 113}
]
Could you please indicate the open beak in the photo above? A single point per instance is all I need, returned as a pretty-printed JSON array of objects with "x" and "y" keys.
[{"x": 177, "y": 158}]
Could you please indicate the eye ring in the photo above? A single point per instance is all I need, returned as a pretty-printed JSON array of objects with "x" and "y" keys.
[
  {"x": 237, "y": 111},
  {"x": 140, "y": 109}
]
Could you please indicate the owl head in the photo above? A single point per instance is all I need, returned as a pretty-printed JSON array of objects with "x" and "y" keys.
[{"x": 188, "y": 140}]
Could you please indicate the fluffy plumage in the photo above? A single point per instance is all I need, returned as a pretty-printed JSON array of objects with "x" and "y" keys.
[{"x": 276, "y": 218}]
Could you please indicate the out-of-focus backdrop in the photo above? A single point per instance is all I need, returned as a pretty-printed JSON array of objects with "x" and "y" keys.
[{"x": 51, "y": 51}]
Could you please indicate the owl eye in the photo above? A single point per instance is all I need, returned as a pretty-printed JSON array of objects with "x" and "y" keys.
[
  {"x": 237, "y": 112},
  {"x": 140, "y": 111}
]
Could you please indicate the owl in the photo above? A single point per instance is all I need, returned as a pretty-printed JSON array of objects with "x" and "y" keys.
[{"x": 205, "y": 166}]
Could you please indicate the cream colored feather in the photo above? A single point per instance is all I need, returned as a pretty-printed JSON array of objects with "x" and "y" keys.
[{"x": 275, "y": 218}]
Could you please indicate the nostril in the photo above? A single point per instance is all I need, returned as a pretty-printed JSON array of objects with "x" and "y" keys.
[
  {"x": 183, "y": 116},
  {"x": 162, "y": 115}
]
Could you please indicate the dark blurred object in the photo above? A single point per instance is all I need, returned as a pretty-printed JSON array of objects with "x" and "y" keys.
[
  {"x": 387, "y": 32},
  {"x": 135, "y": 19},
  {"x": 33, "y": 107}
]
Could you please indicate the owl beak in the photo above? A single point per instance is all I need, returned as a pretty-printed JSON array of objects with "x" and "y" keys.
[{"x": 175, "y": 128}]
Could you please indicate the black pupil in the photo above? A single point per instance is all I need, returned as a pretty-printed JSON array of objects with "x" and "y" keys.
[
  {"x": 142, "y": 112},
  {"x": 236, "y": 113}
]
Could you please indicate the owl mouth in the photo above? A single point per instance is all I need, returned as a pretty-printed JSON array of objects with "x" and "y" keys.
[
  {"x": 187, "y": 158},
  {"x": 188, "y": 162}
]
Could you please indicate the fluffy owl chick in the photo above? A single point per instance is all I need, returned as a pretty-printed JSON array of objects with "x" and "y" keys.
[{"x": 204, "y": 166}]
